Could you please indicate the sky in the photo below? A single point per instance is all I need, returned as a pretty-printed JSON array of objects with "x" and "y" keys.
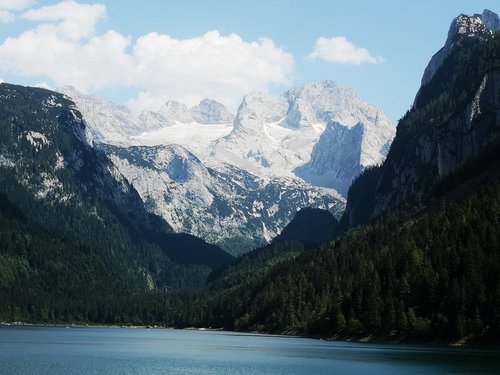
[{"x": 143, "y": 53}]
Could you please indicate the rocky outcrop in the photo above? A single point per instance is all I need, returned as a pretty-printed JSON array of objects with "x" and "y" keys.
[
  {"x": 175, "y": 111},
  {"x": 211, "y": 112},
  {"x": 463, "y": 27},
  {"x": 456, "y": 121},
  {"x": 227, "y": 206},
  {"x": 321, "y": 132}
]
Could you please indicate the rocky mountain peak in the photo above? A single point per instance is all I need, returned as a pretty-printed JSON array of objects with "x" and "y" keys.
[
  {"x": 322, "y": 102},
  {"x": 467, "y": 25},
  {"x": 209, "y": 111},
  {"x": 176, "y": 111},
  {"x": 70, "y": 91},
  {"x": 491, "y": 20},
  {"x": 463, "y": 27},
  {"x": 257, "y": 108}
]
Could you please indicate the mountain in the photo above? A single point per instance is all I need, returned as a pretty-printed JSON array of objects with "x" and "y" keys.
[
  {"x": 463, "y": 28},
  {"x": 453, "y": 120},
  {"x": 224, "y": 205},
  {"x": 226, "y": 182},
  {"x": 211, "y": 112},
  {"x": 286, "y": 136},
  {"x": 67, "y": 187},
  {"x": 115, "y": 124},
  {"x": 417, "y": 255},
  {"x": 176, "y": 111},
  {"x": 310, "y": 226}
]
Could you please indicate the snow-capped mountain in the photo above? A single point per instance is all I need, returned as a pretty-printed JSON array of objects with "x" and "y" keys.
[
  {"x": 106, "y": 120},
  {"x": 116, "y": 124},
  {"x": 226, "y": 206},
  {"x": 286, "y": 136},
  {"x": 173, "y": 110},
  {"x": 238, "y": 184},
  {"x": 211, "y": 112}
]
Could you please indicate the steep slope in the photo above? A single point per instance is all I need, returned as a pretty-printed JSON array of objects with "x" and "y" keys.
[
  {"x": 285, "y": 135},
  {"x": 211, "y": 112},
  {"x": 462, "y": 29},
  {"x": 65, "y": 186},
  {"x": 176, "y": 111},
  {"x": 279, "y": 144},
  {"x": 311, "y": 226},
  {"x": 454, "y": 119},
  {"x": 431, "y": 277},
  {"x": 426, "y": 265},
  {"x": 226, "y": 206},
  {"x": 115, "y": 122}
]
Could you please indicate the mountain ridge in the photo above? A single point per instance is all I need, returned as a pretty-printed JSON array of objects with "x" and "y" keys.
[{"x": 269, "y": 140}]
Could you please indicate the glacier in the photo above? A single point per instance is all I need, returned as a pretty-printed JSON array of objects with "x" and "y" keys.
[{"x": 236, "y": 180}]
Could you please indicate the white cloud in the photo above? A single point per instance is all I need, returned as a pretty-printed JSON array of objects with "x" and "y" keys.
[
  {"x": 6, "y": 17},
  {"x": 9, "y": 7},
  {"x": 1, "y": 80},
  {"x": 221, "y": 67},
  {"x": 341, "y": 50},
  {"x": 16, "y": 4},
  {"x": 63, "y": 47},
  {"x": 68, "y": 19}
]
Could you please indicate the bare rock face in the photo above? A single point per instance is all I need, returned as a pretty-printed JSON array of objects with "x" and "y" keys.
[
  {"x": 211, "y": 112},
  {"x": 455, "y": 121},
  {"x": 463, "y": 27},
  {"x": 227, "y": 206},
  {"x": 321, "y": 132},
  {"x": 433, "y": 155},
  {"x": 238, "y": 180},
  {"x": 176, "y": 111}
]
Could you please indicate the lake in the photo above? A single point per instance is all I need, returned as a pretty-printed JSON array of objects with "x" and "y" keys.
[{"x": 77, "y": 351}]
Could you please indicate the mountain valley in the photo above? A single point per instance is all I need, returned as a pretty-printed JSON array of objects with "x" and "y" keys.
[{"x": 306, "y": 213}]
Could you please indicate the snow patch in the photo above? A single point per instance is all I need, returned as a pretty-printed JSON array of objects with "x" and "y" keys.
[
  {"x": 6, "y": 162},
  {"x": 60, "y": 162},
  {"x": 52, "y": 102},
  {"x": 48, "y": 185},
  {"x": 37, "y": 140}
]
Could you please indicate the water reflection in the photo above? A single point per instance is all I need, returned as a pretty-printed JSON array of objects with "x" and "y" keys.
[{"x": 43, "y": 350}]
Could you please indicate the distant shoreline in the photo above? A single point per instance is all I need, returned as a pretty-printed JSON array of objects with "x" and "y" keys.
[{"x": 462, "y": 343}]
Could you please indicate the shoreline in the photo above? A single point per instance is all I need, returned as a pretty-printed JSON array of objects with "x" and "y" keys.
[{"x": 371, "y": 339}]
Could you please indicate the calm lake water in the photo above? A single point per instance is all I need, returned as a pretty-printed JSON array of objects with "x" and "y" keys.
[{"x": 44, "y": 350}]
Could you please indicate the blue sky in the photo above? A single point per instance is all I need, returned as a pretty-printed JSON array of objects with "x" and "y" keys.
[{"x": 107, "y": 47}]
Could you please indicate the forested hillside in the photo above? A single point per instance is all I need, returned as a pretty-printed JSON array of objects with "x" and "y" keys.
[
  {"x": 75, "y": 236},
  {"x": 425, "y": 264}
]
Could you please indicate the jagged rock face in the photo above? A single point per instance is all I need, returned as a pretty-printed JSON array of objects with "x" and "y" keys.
[
  {"x": 491, "y": 20},
  {"x": 211, "y": 112},
  {"x": 257, "y": 109},
  {"x": 330, "y": 164},
  {"x": 176, "y": 111},
  {"x": 286, "y": 135},
  {"x": 433, "y": 155},
  {"x": 114, "y": 124},
  {"x": 461, "y": 28},
  {"x": 228, "y": 206},
  {"x": 153, "y": 120},
  {"x": 457, "y": 119},
  {"x": 270, "y": 139},
  {"x": 50, "y": 153},
  {"x": 115, "y": 121}
]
